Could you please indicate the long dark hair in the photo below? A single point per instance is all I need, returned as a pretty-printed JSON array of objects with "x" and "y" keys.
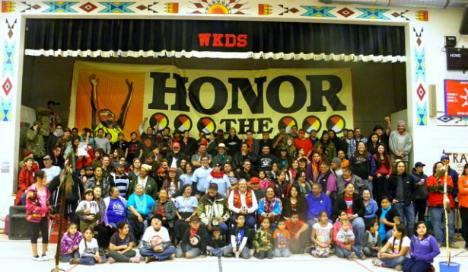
[
  {"x": 416, "y": 228},
  {"x": 464, "y": 170},
  {"x": 39, "y": 175}
]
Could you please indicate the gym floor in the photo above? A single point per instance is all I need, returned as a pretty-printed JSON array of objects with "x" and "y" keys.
[{"x": 16, "y": 256}]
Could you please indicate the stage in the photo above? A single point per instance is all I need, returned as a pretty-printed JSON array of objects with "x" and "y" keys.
[{"x": 16, "y": 256}]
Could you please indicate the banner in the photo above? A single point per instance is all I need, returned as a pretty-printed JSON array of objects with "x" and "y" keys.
[
  {"x": 457, "y": 160},
  {"x": 120, "y": 96},
  {"x": 456, "y": 98}
]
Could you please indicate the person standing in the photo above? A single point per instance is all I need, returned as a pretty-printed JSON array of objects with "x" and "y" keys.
[
  {"x": 200, "y": 176},
  {"x": 437, "y": 202},
  {"x": 463, "y": 201},
  {"x": 420, "y": 194},
  {"x": 37, "y": 214},
  {"x": 400, "y": 143},
  {"x": 35, "y": 141},
  {"x": 401, "y": 189}
]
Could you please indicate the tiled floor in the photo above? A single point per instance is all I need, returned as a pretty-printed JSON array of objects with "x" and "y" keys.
[{"x": 15, "y": 256}]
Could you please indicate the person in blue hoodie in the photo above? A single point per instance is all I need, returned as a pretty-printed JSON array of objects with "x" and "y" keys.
[{"x": 317, "y": 201}]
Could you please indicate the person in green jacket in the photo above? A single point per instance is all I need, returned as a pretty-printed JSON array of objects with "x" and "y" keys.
[{"x": 35, "y": 141}]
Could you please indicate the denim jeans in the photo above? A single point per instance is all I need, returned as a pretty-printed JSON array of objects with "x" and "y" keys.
[
  {"x": 245, "y": 254},
  {"x": 359, "y": 228},
  {"x": 87, "y": 260},
  {"x": 69, "y": 256},
  {"x": 219, "y": 252},
  {"x": 159, "y": 256},
  {"x": 391, "y": 263},
  {"x": 344, "y": 253},
  {"x": 282, "y": 252},
  {"x": 407, "y": 216},
  {"x": 187, "y": 252},
  {"x": 438, "y": 224}
]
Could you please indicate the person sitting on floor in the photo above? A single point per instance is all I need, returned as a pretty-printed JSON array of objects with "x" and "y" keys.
[
  {"x": 156, "y": 243},
  {"x": 121, "y": 246},
  {"x": 241, "y": 238},
  {"x": 70, "y": 244},
  {"x": 193, "y": 243},
  {"x": 263, "y": 241},
  {"x": 393, "y": 254},
  {"x": 217, "y": 245}
]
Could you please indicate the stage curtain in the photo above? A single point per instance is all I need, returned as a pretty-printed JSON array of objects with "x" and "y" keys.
[{"x": 179, "y": 38}]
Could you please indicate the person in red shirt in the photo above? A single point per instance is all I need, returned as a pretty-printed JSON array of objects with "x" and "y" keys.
[
  {"x": 437, "y": 201},
  {"x": 25, "y": 179},
  {"x": 304, "y": 143},
  {"x": 298, "y": 230}
]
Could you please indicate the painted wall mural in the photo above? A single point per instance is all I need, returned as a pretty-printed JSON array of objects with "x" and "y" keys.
[
  {"x": 419, "y": 62},
  {"x": 219, "y": 7}
]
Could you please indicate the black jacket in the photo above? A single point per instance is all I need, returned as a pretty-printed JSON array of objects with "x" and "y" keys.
[
  {"x": 409, "y": 188},
  {"x": 358, "y": 205},
  {"x": 203, "y": 237}
]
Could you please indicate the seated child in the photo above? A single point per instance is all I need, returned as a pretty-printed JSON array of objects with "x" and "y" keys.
[
  {"x": 298, "y": 230},
  {"x": 89, "y": 250},
  {"x": 281, "y": 236},
  {"x": 240, "y": 239},
  {"x": 88, "y": 211},
  {"x": 263, "y": 241},
  {"x": 321, "y": 236},
  {"x": 395, "y": 251},
  {"x": 121, "y": 245},
  {"x": 70, "y": 244},
  {"x": 217, "y": 246},
  {"x": 193, "y": 243},
  {"x": 156, "y": 242},
  {"x": 371, "y": 240}
]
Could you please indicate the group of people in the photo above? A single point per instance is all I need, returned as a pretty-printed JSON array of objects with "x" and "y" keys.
[{"x": 160, "y": 196}]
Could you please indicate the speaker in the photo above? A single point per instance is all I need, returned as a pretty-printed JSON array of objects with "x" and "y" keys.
[
  {"x": 432, "y": 101},
  {"x": 19, "y": 228},
  {"x": 464, "y": 23}
]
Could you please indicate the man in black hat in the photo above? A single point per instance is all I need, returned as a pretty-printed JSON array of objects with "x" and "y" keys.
[
  {"x": 420, "y": 193},
  {"x": 213, "y": 209}
]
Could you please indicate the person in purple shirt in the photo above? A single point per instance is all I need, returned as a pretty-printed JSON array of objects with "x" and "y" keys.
[
  {"x": 316, "y": 203},
  {"x": 424, "y": 249}
]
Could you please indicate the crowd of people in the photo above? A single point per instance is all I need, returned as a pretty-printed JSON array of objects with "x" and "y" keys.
[{"x": 163, "y": 195}]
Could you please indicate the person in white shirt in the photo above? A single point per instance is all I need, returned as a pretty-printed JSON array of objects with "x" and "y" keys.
[
  {"x": 49, "y": 169},
  {"x": 243, "y": 201},
  {"x": 156, "y": 243}
]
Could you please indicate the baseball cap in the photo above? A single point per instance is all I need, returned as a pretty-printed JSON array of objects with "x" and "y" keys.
[
  {"x": 221, "y": 145},
  {"x": 213, "y": 186},
  {"x": 46, "y": 157},
  {"x": 444, "y": 157},
  {"x": 419, "y": 164}
]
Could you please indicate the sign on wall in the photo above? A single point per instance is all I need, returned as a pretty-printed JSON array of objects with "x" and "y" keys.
[
  {"x": 118, "y": 97},
  {"x": 456, "y": 98}
]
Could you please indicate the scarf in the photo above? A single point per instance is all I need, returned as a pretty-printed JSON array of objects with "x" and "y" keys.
[
  {"x": 382, "y": 230},
  {"x": 217, "y": 175},
  {"x": 269, "y": 205}
]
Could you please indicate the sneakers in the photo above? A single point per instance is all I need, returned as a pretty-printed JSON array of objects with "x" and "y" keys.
[
  {"x": 135, "y": 260},
  {"x": 399, "y": 268},
  {"x": 45, "y": 258},
  {"x": 36, "y": 258},
  {"x": 377, "y": 262},
  {"x": 110, "y": 260}
]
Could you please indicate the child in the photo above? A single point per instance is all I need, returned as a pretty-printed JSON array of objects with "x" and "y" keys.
[
  {"x": 298, "y": 230},
  {"x": 240, "y": 239},
  {"x": 217, "y": 245},
  {"x": 322, "y": 236},
  {"x": 121, "y": 245},
  {"x": 424, "y": 249},
  {"x": 371, "y": 240},
  {"x": 88, "y": 210},
  {"x": 193, "y": 242},
  {"x": 282, "y": 238},
  {"x": 264, "y": 181},
  {"x": 263, "y": 242},
  {"x": 345, "y": 240},
  {"x": 89, "y": 250},
  {"x": 393, "y": 254},
  {"x": 69, "y": 245}
]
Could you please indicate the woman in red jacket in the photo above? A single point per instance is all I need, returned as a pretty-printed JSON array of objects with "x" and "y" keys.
[
  {"x": 463, "y": 201},
  {"x": 25, "y": 179},
  {"x": 437, "y": 201}
]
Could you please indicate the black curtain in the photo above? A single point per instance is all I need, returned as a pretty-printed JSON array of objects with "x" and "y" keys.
[{"x": 178, "y": 35}]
